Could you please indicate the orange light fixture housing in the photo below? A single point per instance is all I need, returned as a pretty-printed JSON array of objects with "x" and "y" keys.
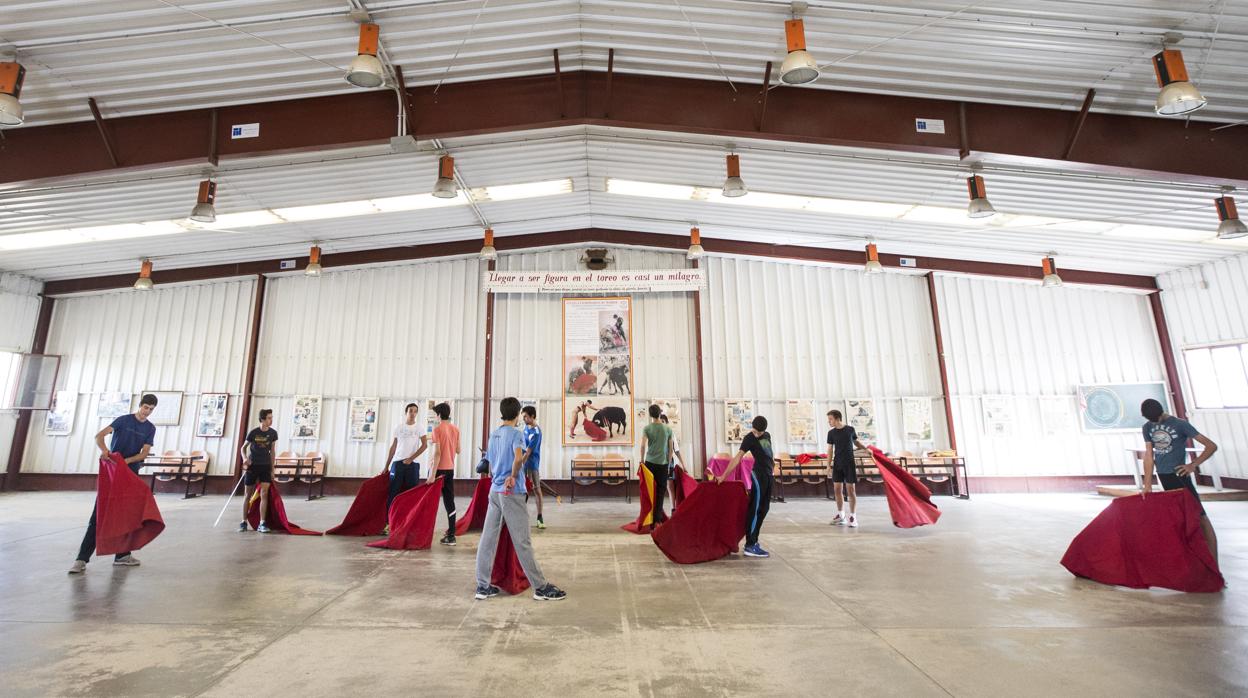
[
  {"x": 979, "y": 207},
  {"x": 488, "y": 253},
  {"x": 872, "y": 265},
  {"x": 799, "y": 67},
  {"x": 1230, "y": 226},
  {"x": 144, "y": 282},
  {"x": 1049, "y": 268},
  {"x": 12, "y": 75},
  {"x": 314, "y": 262},
  {"x": 366, "y": 69},
  {"x": 445, "y": 187},
  {"x": 1178, "y": 96},
  {"x": 205, "y": 211},
  {"x": 695, "y": 243},
  {"x": 734, "y": 186}
]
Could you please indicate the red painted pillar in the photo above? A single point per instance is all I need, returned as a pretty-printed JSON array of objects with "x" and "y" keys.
[
  {"x": 940, "y": 359},
  {"x": 1167, "y": 355},
  {"x": 489, "y": 362},
  {"x": 249, "y": 375},
  {"x": 24, "y": 417}
]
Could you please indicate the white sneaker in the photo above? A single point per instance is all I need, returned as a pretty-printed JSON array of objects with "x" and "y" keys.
[
  {"x": 838, "y": 520},
  {"x": 853, "y": 521},
  {"x": 78, "y": 568},
  {"x": 127, "y": 561}
]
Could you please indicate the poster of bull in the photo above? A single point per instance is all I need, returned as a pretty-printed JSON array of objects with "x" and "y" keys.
[{"x": 598, "y": 371}]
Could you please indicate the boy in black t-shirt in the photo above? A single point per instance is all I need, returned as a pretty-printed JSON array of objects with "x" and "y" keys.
[
  {"x": 842, "y": 439},
  {"x": 257, "y": 453},
  {"x": 758, "y": 444}
]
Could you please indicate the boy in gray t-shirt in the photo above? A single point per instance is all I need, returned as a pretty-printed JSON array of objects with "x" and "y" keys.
[{"x": 1165, "y": 451}]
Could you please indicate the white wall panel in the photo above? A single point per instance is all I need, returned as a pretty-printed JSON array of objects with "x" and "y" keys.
[
  {"x": 1019, "y": 340},
  {"x": 1205, "y": 305},
  {"x": 403, "y": 333},
  {"x": 774, "y": 331},
  {"x": 189, "y": 338},
  {"x": 528, "y": 357},
  {"x": 19, "y": 308}
]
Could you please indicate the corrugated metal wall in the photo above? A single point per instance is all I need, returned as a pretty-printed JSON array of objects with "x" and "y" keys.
[
  {"x": 528, "y": 358},
  {"x": 774, "y": 331},
  {"x": 403, "y": 333},
  {"x": 191, "y": 338},
  {"x": 1197, "y": 314},
  {"x": 19, "y": 306},
  {"x": 1019, "y": 340}
]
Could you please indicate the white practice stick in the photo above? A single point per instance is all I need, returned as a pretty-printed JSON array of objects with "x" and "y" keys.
[{"x": 227, "y": 501}]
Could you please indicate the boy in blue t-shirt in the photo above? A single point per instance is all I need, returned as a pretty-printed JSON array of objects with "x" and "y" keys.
[
  {"x": 133, "y": 437},
  {"x": 533, "y": 456},
  {"x": 1165, "y": 451},
  {"x": 506, "y": 457}
]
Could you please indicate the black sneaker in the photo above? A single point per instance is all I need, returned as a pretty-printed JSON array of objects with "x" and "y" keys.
[
  {"x": 242, "y": 527},
  {"x": 448, "y": 539},
  {"x": 550, "y": 592},
  {"x": 487, "y": 592}
]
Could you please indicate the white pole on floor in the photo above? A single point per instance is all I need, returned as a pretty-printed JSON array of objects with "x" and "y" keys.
[{"x": 227, "y": 501}]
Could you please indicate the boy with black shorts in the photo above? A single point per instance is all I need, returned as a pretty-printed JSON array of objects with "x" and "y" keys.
[
  {"x": 842, "y": 439},
  {"x": 257, "y": 453},
  {"x": 1165, "y": 451},
  {"x": 758, "y": 444}
]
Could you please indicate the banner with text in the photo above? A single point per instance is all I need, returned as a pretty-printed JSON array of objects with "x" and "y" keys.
[{"x": 654, "y": 281}]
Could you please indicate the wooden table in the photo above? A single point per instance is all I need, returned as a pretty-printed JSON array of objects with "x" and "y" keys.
[
  {"x": 300, "y": 464},
  {"x": 606, "y": 470}
]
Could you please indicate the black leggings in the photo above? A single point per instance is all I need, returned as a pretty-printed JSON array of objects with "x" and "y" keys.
[
  {"x": 760, "y": 504},
  {"x": 87, "y": 549},
  {"x": 448, "y": 498},
  {"x": 659, "y": 471}
]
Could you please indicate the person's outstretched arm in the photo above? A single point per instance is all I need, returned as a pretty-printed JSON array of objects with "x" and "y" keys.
[{"x": 1210, "y": 449}]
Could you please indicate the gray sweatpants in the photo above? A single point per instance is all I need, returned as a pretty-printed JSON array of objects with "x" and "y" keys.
[{"x": 509, "y": 510}]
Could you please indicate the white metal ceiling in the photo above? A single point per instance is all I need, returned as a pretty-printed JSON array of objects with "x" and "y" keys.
[
  {"x": 141, "y": 56},
  {"x": 589, "y": 156}
]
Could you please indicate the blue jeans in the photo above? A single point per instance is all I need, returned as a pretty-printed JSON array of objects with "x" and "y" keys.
[{"x": 403, "y": 477}]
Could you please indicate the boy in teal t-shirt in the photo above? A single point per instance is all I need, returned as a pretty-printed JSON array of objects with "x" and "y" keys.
[{"x": 656, "y": 453}]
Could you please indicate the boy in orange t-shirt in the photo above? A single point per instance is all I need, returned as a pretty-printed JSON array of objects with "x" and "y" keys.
[{"x": 445, "y": 449}]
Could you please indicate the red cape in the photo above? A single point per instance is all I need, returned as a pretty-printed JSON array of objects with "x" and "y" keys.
[
  {"x": 708, "y": 525},
  {"x": 413, "y": 516},
  {"x": 593, "y": 431},
  {"x": 474, "y": 516},
  {"x": 1142, "y": 542},
  {"x": 508, "y": 575},
  {"x": 367, "y": 515},
  {"x": 276, "y": 515},
  {"x": 909, "y": 501},
  {"x": 645, "y": 520},
  {"x": 685, "y": 485},
  {"x": 126, "y": 516}
]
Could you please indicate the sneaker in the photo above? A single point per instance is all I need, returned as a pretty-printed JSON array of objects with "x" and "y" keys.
[
  {"x": 550, "y": 592},
  {"x": 78, "y": 567},
  {"x": 242, "y": 527},
  {"x": 756, "y": 551},
  {"x": 386, "y": 531},
  {"x": 853, "y": 521},
  {"x": 262, "y": 528},
  {"x": 838, "y": 520},
  {"x": 448, "y": 539},
  {"x": 487, "y": 592},
  {"x": 127, "y": 561},
  {"x": 540, "y": 523}
]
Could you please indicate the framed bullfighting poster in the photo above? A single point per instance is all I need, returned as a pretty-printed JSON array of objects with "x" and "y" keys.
[{"x": 597, "y": 371}]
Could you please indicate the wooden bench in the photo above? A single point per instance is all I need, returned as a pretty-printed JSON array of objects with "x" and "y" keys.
[
  {"x": 174, "y": 465},
  {"x": 788, "y": 471},
  {"x": 935, "y": 469},
  {"x": 611, "y": 469},
  {"x": 308, "y": 468}
]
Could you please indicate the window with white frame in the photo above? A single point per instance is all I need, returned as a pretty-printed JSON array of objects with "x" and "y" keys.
[{"x": 1218, "y": 375}]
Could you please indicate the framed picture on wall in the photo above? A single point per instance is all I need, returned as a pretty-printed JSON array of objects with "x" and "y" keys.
[
  {"x": 306, "y": 418},
  {"x": 168, "y": 410},
  {"x": 1057, "y": 414},
  {"x": 737, "y": 417},
  {"x": 669, "y": 406},
  {"x": 431, "y": 417},
  {"x": 362, "y": 418},
  {"x": 210, "y": 418},
  {"x": 800, "y": 416},
  {"x": 917, "y": 419},
  {"x": 860, "y": 414},
  {"x": 113, "y": 405},
  {"x": 60, "y": 419},
  {"x": 999, "y": 415}
]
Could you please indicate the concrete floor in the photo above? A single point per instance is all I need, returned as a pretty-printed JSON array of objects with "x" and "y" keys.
[{"x": 975, "y": 606}]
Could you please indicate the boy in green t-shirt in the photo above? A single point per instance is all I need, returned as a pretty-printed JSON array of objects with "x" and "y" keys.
[{"x": 656, "y": 453}]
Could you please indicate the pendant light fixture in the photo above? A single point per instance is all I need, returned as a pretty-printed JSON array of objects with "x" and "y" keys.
[
  {"x": 144, "y": 282},
  {"x": 445, "y": 187},
  {"x": 1049, "y": 267},
  {"x": 799, "y": 67},
  {"x": 872, "y": 265},
  {"x": 1230, "y": 226},
  {"x": 979, "y": 206},
  {"x": 734, "y": 186},
  {"x": 12, "y": 74},
  {"x": 488, "y": 253},
  {"x": 695, "y": 244},
  {"x": 366, "y": 69},
  {"x": 204, "y": 211},
  {"x": 1178, "y": 96},
  {"x": 314, "y": 262}
]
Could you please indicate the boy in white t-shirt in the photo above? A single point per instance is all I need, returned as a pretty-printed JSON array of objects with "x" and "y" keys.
[{"x": 409, "y": 441}]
